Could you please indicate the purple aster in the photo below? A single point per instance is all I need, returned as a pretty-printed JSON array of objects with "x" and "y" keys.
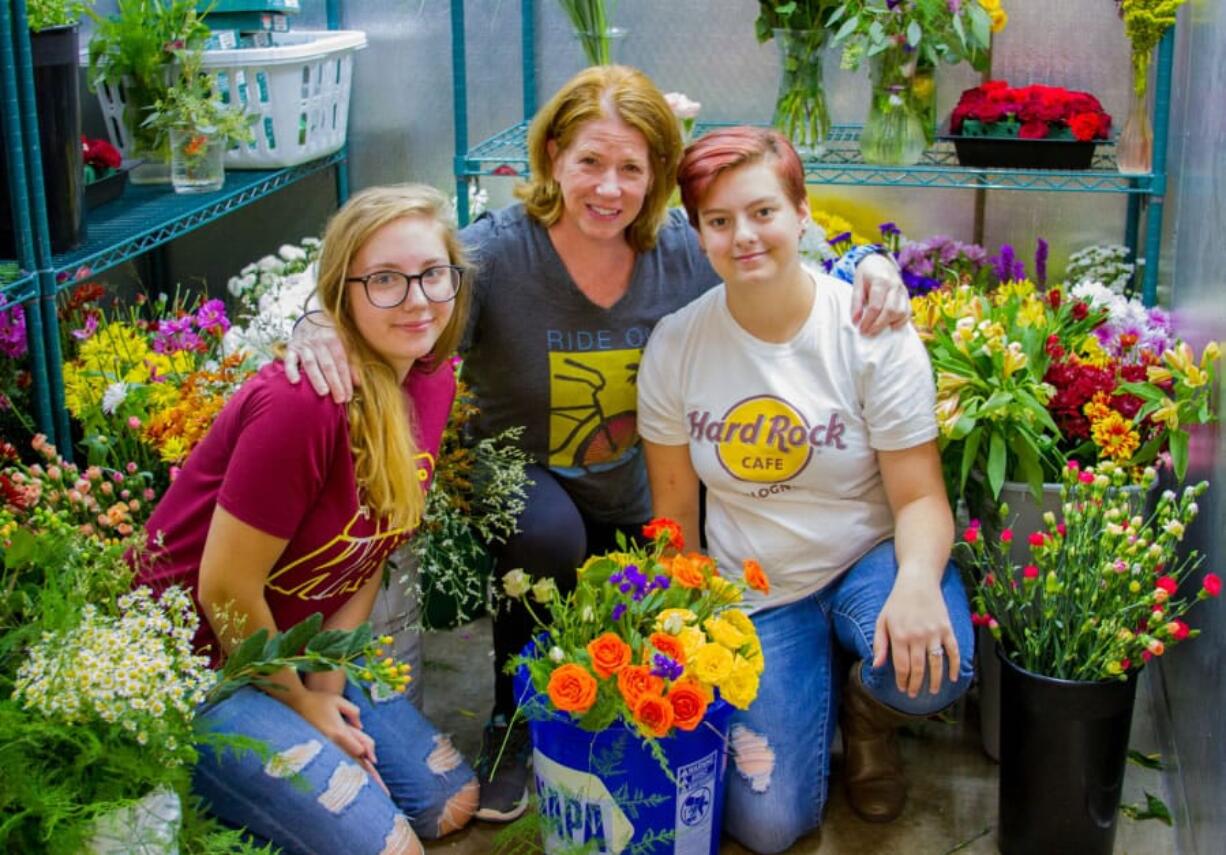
[
  {"x": 175, "y": 335},
  {"x": 666, "y": 666},
  {"x": 618, "y": 611}
]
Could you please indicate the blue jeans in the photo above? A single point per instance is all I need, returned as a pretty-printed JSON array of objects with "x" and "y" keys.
[
  {"x": 330, "y": 805},
  {"x": 791, "y": 724}
]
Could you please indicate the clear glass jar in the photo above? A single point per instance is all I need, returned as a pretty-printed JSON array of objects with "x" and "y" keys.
[
  {"x": 604, "y": 47},
  {"x": 196, "y": 162},
  {"x": 1134, "y": 150},
  {"x": 893, "y": 133},
  {"x": 801, "y": 112}
]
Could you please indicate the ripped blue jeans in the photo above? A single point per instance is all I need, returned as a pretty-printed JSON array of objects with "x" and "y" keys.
[
  {"x": 777, "y": 789},
  {"x": 312, "y": 797}
]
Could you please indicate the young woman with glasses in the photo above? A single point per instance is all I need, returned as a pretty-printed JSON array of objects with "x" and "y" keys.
[{"x": 289, "y": 507}]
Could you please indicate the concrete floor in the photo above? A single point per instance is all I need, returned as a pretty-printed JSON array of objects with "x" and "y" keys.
[{"x": 952, "y": 804}]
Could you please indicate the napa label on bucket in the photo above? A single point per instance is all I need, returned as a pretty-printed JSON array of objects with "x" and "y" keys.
[{"x": 579, "y": 808}]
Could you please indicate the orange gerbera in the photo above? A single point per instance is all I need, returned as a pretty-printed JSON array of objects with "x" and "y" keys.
[
  {"x": 654, "y": 715},
  {"x": 754, "y": 577},
  {"x": 689, "y": 702},
  {"x": 669, "y": 645},
  {"x": 659, "y": 526},
  {"x": 634, "y": 681},
  {"x": 572, "y": 688},
  {"x": 609, "y": 654}
]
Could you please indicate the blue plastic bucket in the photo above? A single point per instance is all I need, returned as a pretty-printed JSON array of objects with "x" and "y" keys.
[{"x": 607, "y": 787}]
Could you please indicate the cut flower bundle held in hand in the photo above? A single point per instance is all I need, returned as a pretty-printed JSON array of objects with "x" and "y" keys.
[
  {"x": 645, "y": 638},
  {"x": 1101, "y": 593}
]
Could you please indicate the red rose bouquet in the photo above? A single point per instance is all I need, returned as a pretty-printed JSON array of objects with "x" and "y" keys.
[
  {"x": 994, "y": 109},
  {"x": 101, "y": 158}
]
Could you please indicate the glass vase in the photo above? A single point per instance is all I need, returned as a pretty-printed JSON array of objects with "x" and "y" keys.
[
  {"x": 801, "y": 112},
  {"x": 893, "y": 133},
  {"x": 196, "y": 162},
  {"x": 1134, "y": 150},
  {"x": 603, "y": 47},
  {"x": 924, "y": 91}
]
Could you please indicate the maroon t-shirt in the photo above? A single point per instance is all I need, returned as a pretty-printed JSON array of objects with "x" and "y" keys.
[{"x": 278, "y": 459}]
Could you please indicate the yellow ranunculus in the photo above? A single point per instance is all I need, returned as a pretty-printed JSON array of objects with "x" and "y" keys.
[
  {"x": 723, "y": 632},
  {"x": 724, "y": 590},
  {"x": 741, "y": 622},
  {"x": 711, "y": 663},
  {"x": 692, "y": 639},
  {"x": 665, "y": 620}
]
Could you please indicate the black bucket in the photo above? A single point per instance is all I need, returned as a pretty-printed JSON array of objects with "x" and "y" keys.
[
  {"x": 1063, "y": 751},
  {"x": 58, "y": 101}
]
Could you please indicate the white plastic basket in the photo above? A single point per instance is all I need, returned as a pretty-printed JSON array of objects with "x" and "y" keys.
[{"x": 298, "y": 89}]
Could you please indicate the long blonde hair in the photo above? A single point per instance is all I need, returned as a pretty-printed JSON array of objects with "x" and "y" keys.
[
  {"x": 591, "y": 94},
  {"x": 383, "y": 442}
]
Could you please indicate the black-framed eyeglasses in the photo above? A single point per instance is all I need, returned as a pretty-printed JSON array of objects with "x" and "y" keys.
[{"x": 387, "y": 289}]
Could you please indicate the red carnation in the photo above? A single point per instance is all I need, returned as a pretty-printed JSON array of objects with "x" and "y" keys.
[
  {"x": 1032, "y": 130},
  {"x": 1212, "y": 584},
  {"x": 1084, "y": 126},
  {"x": 1080, "y": 310}
]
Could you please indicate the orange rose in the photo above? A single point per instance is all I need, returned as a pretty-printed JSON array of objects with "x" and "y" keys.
[
  {"x": 686, "y": 572},
  {"x": 654, "y": 715},
  {"x": 572, "y": 688},
  {"x": 609, "y": 655},
  {"x": 663, "y": 525},
  {"x": 755, "y": 578},
  {"x": 634, "y": 681},
  {"x": 667, "y": 644},
  {"x": 689, "y": 703}
]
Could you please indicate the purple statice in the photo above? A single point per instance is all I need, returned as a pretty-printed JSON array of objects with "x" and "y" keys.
[
  {"x": 841, "y": 242},
  {"x": 1007, "y": 266},
  {"x": 618, "y": 611},
  {"x": 918, "y": 286},
  {"x": 1040, "y": 263},
  {"x": 12, "y": 329},
  {"x": 630, "y": 580},
  {"x": 660, "y": 583},
  {"x": 891, "y": 236},
  {"x": 211, "y": 318},
  {"x": 914, "y": 258},
  {"x": 667, "y": 667},
  {"x": 175, "y": 335}
]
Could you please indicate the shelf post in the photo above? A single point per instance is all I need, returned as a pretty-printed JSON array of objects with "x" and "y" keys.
[
  {"x": 459, "y": 97},
  {"x": 1154, "y": 210},
  {"x": 19, "y": 205},
  {"x": 527, "y": 35}
]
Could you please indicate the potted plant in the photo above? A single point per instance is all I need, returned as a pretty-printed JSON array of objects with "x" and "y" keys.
[
  {"x": 1103, "y": 591},
  {"x": 103, "y": 174},
  {"x": 135, "y": 49},
  {"x": 54, "y": 32},
  {"x": 199, "y": 127},
  {"x": 904, "y": 41},
  {"x": 1145, "y": 23},
  {"x": 628, "y": 690},
  {"x": 1029, "y": 127},
  {"x": 799, "y": 28}
]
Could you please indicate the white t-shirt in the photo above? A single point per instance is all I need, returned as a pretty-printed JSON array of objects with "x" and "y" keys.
[{"x": 785, "y": 435}]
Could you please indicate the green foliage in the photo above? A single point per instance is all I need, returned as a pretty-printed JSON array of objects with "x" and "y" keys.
[
  {"x": 43, "y": 14},
  {"x": 193, "y": 106},
  {"x": 137, "y": 46},
  {"x": 592, "y": 20},
  {"x": 792, "y": 15},
  {"x": 1154, "y": 808},
  {"x": 932, "y": 32}
]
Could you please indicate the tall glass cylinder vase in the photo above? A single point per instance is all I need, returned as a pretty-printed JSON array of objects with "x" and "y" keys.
[
  {"x": 893, "y": 133},
  {"x": 1134, "y": 150},
  {"x": 800, "y": 108},
  {"x": 602, "y": 47},
  {"x": 924, "y": 91}
]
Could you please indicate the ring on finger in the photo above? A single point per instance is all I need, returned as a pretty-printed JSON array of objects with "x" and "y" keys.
[{"x": 937, "y": 650}]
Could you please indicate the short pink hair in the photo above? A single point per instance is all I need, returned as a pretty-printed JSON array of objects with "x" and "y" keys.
[{"x": 715, "y": 153}]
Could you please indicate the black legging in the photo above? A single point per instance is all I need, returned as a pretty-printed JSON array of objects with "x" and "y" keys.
[{"x": 554, "y": 539}]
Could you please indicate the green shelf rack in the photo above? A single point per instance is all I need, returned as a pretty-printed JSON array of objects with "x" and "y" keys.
[
  {"x": 20, "y": 289},
  {"x": 147, "y": 216}
]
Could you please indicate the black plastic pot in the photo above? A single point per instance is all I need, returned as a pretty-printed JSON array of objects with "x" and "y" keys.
[
  {"x": 1011, "y": 153},
  {"x": 105, "y": 190},
  {"x": 1063, "y": 749},
  {"x": 58, "y": 102}
]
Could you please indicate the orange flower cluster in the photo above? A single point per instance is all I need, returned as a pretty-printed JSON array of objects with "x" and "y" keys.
[{"x": 175, "y": 430}]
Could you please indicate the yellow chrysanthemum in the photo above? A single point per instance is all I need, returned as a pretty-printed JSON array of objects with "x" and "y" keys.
[
  {"x": 711, "y": 663},
  {"x": 1115, "y": 437},
  {"x": 741, "y": 623},
  {"x": 1098, "y": 407}
]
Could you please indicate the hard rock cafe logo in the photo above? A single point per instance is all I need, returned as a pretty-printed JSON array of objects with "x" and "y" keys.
[{"x": 764, "y": 438}]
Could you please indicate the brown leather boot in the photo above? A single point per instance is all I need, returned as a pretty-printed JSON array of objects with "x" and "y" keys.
[{"x": 872, "y": 764}]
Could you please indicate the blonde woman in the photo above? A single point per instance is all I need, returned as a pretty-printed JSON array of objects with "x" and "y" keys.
[{"x": 290, "y": 506}]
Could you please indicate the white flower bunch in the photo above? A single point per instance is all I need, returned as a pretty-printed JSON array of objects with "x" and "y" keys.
[
  {"x": 1103, "y": 263},
  {"x": 273, "y": 293},
  {"x": 133, "y": 674}
]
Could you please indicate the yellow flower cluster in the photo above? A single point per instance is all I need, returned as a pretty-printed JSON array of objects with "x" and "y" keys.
[
  {"x": 136, "y": 671},
  {"x": 998, "y": 15},
  {"x": 833, "y": 224},
  {"x": 723, "y": 653}
]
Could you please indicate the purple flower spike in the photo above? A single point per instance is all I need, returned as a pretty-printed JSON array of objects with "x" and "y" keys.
[
  {"x": 1040, "y": 263},
  {"x": 618, "y": 611},
  {"x": 841, "y": 237}
]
